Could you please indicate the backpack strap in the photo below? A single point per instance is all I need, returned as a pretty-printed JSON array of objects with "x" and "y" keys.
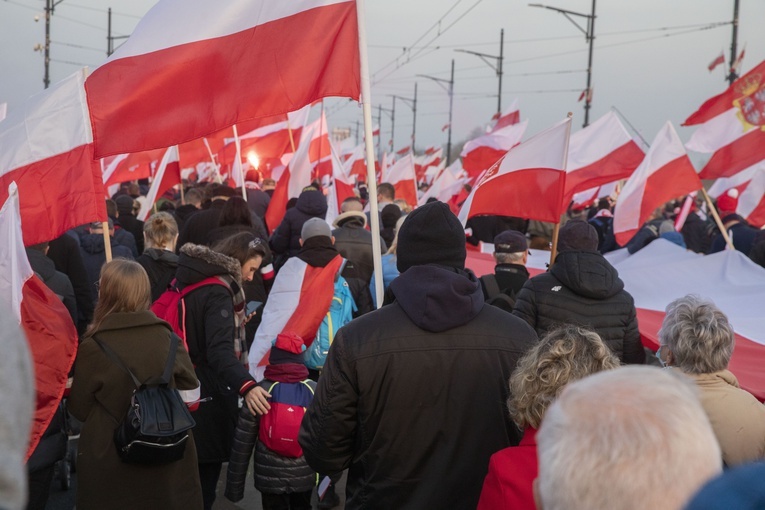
[
  {"x": 168, "y": 364},
  {"x": 492, "y": 286}
]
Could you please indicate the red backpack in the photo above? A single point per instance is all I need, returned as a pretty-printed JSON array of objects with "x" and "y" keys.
[
  {"x": 280, "y": 426},
  {"x": 171, "y": 308}
]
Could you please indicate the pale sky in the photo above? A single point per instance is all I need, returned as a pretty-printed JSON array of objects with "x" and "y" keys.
[{"x": 650, "y": 75}]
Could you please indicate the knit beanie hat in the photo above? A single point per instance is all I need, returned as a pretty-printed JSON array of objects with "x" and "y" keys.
[
  {"x": 124, "y": 204},
  {"x": 577, "y": 235},
  {"x": 431, "y": 234},
  {"x": 288, "y": 348},
  {"x": 728, "y": 202}
]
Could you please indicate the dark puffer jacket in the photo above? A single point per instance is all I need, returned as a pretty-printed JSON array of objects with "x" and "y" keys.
[
  {"x": 273, "y": 473},
  {"x": 160, "y": 265},
  {"x": 354, "y": 242},
  {"x": 210, "y": 330},
  {"x": 286, "y": 237},
  {"x": 583, "y": 288},
  {"x": 412, "y": 396}
]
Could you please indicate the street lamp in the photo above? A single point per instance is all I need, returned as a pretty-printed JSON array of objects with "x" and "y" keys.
[
  {"x": 411, "y": 103},
  {"x": 589, "y": 34},
  {"x": 496, "y": 66},
  {"x": 449, "y": 90}
]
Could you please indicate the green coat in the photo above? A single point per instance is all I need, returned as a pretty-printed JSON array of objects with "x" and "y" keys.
[{"x": 100, "y": 397}]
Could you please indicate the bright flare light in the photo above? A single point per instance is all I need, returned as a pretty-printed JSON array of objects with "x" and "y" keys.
[{"x": 253, "y": 159}]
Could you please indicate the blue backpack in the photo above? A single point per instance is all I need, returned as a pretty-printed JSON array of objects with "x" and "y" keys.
[{"x": 340, "y": 313}]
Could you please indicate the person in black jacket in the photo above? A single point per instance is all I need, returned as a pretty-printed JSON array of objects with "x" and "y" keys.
[
  {"x": 285, "y": 240},
  {"x": 55, "y": 280},
  {"x": 198, "y": 225},
  {"x": 511, "y": 251},
  {"x": 236, "y": 217},
  {"x": 160, "y": 233},
  {"x": 93, "y": 253},
  {"x": 210, "y": 334},
  {"x": 353, "y": 240},
  {"x": 284, "y": 482},
  {"x": 582, "y": 288},
  {"x": 65, "y": 253},
  {"x": 412, "y": 396},
  {"x": 128, "y": 221}
]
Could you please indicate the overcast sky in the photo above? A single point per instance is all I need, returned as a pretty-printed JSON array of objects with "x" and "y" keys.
[{"x": 651, "y": 75}]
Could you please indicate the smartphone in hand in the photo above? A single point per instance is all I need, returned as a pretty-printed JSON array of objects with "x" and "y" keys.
[{"x": 251, "y": 307}]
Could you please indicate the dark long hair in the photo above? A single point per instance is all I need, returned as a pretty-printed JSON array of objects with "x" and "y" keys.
[{"x": 235, "y": 212}]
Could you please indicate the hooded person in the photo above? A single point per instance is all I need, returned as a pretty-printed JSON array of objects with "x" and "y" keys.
[
  {"x": 401, "y": 388},
  {"x": 93, "y": 252},
  {"x": 582, "y": 288},
  {"x": 285, "y": 239}
]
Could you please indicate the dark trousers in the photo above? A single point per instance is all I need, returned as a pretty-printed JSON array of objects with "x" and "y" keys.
[
  {"x": 291, "y": 501},
  {"x": 39, "y": 488},
  {"x": 208, "y": 478}
]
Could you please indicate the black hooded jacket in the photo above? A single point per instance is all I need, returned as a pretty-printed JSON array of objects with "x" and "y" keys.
[
  {"x": 286, "y": 237},
  {"x": 583, "y": 288},
  {"x": 412, "y": 396},
  {"x": 160, "y": 265}
]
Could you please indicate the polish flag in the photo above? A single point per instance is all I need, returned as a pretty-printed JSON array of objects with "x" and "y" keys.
[
  {"x": 738, "y": 181},
  {"x": 446, "y": 185},
  {"x": 509, "y": 117},
  {"x": 402, "y": 152},
  {"x": 130, "y": 167},
  {"x": 665, "y": 173},
  {"x": 404, "y": 180},
  {"x": 168, "y": 175},
  {"x": 429, "y": 159},
  {"x": 298, "y": 302},
  {"x": 732, "y": 127},
  {"x": 445, "y": 127},
  {"x": 527, "y": 182},
  {"x": 319, "y": 152},
  {"x": 376, "y": 130},
  {"x": 482, "y": 152},
  {"x": 193, "y": 67},
  {"x": 340, "y": 189},
  {"x": 719, "y": 60},
  {"x": 751, "y": 202},
  {"x": 356, "y": 163},
  {"x": 46, "y": 147},
  {"x": 601, "y": 153},
  {"x": 295, "y": 177},
  {"x": 736, "y": 65},
  {"x": 31, "y": 308}
]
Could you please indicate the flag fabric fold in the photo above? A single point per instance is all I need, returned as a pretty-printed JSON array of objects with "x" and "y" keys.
[
  {"x": 482, "y": 152},
  {"x": 528, "y": 181},
  {"x": 168, "y": 175},
  {"x": 193, "y": 67},
  {"x": 402, "y": 176},
  {"x": 665, "y": 173}
]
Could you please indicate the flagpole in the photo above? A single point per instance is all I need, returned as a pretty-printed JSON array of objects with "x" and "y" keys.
[
  {"x": 289, "y": 131},
  {"x": 238, "y": 161},
  {"x": 556, "y": 228},
  {"x": 718, "y": 221},
  {"x": 366, "y": 98}
]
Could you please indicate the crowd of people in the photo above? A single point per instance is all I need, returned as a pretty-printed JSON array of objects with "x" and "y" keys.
[{"x": 505, "y": 391}]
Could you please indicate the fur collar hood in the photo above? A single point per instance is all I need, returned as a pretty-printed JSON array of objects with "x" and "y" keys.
[{"x": 197, "y": 262}]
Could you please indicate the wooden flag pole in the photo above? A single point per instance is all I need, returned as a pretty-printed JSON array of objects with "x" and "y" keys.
[
  {"x": 289, "y": 132},
  {"x": 718, "y": 221},
  {"x": 366, "y": 99},
  {"x": 107, "y": 240},
  {"x": 556, "y": 228}
]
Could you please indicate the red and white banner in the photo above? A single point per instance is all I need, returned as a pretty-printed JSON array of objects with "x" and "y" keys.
[
  {"x": 482, "y": 152},
  {"x": 193, "y": 67},
  {"x": 295, "y": 177},
  {"x": 433, "y": 157},
  {"x": 37, "y": 312},
  {"x": 298, "y": 301},
  {"x": 738, "y": 181},
  {"x": 446, "y": 185},
  {"x": 168, "y": 175},
  {"x": 732, "y": 126},
  {"x": 665, "y": 173},
  {"x": 511, "y": 115},
  {"x": 601, "y": 153},
  {"x": 719, "y": 60},
  {"x": 46, "y": 147},
  {"x": 527, "y": 182},
  {"x": 751, "y": 202},
  {"x": 404, "y": 180}
]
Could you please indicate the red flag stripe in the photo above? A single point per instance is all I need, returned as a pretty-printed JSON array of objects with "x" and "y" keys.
[
  {"x": 737, "y": 156},
  {"x": 167, "y": 89},
  {"x": 619, "y": 164}
]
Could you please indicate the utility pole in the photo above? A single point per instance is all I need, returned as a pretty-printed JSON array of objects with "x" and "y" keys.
[
  {"x": 589, "y": 36},
  {"x": 109, "y": 37},
  {"x": 50, "y": 5},
  {"x": 411, "y": 103},
  {"x": 393, "y": 125},
  {"x": 497, "y": 65},
  {"x": 450, "y": 91},
  {"x": 733, "y": 44}
]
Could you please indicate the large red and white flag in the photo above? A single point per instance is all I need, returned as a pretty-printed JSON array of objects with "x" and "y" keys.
[
  {"x": 168, "y": 174},
  {"x": 601, "y": 153},
  {"x": 403, "y": 178},
  {"x": 751, "y": 202},
  {"x": 665, "y": 173},
  {"x": 193, "y": 67},
  {"x": 732, "y": 126},
  {"x": 46, "y": 147},
  {"x": 511, "y": 115},
  {"x": 295, "y": 177},
  {"x": 482, "y": 152},
  {"x": 527, "y": 182},
  {"x": 50, "y": 333}
]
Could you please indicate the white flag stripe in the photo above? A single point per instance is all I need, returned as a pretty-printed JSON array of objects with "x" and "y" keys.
[
  {"x": 596, "y": 141},
  {"x": 752, "y": 195},
  {"x": 14, "y": 265},
  {"x": 718, "y": 132}
]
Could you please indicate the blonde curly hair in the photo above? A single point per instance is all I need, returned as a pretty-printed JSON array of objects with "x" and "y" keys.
[{"x": 565, "y": 354}]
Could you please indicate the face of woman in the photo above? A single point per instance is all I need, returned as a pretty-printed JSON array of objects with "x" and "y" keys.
[{"x": 249, "y": 268}]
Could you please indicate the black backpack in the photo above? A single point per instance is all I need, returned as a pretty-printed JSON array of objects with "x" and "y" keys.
[
  {"x": 496, "y": 296},
  {"x": 155, "y": 429}
]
